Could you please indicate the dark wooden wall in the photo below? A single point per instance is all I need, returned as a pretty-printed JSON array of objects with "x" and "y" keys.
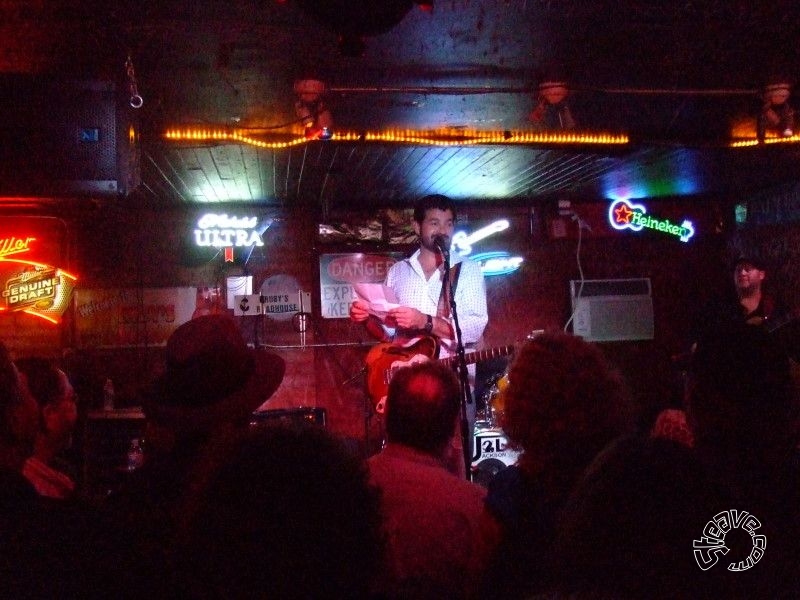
[{"x": 116, "y": 246}]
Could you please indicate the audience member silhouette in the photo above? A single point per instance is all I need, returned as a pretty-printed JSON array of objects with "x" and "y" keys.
[
  {"x": 289, "y": 514},
  {"x": 563, "y": 404},
  {"x": 48, "y": 548},
  {"x": 46, "y": 469},
  {"x": 626, "y": 530},
  {"x": 19, "y": 424},
  {"x": 743, "y": 410},
  {"x": 211, "y": 384},
  {"x": 20, "y": 513},
  {"x": 440, "y": 536},
  {"x": 635, "y": 524}
]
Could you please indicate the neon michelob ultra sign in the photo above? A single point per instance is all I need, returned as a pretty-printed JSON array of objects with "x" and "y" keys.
[
  {"x": 35, "y": 288},
  {"x": 222, "y": 231},
  {"x": 623, "y": 214}
]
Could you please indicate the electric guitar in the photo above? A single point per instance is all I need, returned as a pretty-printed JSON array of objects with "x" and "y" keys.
[{"x": 384, "y": 359}]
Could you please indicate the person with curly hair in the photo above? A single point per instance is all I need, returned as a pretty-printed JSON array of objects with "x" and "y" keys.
[{"x": 564, "y": 403}]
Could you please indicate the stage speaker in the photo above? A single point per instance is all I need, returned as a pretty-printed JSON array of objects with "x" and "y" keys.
[
  {"x": 606, "y": 310},
  {"x": 303, "y": 415},
  {"x": 63, "y": 137}
]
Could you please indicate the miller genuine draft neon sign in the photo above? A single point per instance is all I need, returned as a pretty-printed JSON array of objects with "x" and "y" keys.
[
  {"x": 34, "y": 288},
  {"x": 623, "y": 214}
]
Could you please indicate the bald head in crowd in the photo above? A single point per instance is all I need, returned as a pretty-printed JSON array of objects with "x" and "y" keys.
[{"x": 422, "y": 405}]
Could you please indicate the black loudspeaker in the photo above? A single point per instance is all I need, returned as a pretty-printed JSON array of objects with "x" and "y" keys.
[
  {"x": 301, "y": 415},
  {"x": 64, "y": 137}
]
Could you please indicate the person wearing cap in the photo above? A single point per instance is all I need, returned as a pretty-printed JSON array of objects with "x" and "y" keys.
[
  {"x": 211, "y": 384},
  {"x": 748, "y": 302},
  {"x": 761, "y": 308},
  {"x": 748, "y": 276}
]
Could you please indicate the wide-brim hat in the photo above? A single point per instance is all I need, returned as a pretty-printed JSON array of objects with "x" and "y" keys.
[{"x": 211, "y": 376}]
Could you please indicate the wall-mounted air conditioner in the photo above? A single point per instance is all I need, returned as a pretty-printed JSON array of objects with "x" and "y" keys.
[{"x": 607, "y": 310}]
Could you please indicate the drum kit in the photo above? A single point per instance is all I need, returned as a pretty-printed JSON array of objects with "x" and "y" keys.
[{"x": 490, "y": 416}]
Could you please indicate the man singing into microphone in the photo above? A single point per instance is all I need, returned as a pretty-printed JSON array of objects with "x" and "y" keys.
[{"x": 417, "y": 281}]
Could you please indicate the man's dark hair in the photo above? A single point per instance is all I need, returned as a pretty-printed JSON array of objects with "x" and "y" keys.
[
  {"x": 433, "y": 201},
  {"x": 422, "y": 405}
]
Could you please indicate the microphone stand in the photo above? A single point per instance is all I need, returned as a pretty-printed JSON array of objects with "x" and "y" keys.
[{"x": 463, "y": 375}]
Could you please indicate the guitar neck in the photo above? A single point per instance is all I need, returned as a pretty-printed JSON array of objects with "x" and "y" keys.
[{"x": 479, "y": 355}]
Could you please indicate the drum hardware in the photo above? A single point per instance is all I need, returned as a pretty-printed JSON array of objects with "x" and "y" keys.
[{"x": 491, "y": 415}]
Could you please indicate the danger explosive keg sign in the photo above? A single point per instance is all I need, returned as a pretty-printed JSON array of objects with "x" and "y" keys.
[{"x": 338, "y": 273}]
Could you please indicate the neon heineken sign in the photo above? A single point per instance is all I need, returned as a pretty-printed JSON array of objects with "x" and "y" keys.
[{"x": 623, "y": 214}]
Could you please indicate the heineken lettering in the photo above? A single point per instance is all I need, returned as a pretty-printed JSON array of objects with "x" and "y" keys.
[{"x": 623, "y": 214}]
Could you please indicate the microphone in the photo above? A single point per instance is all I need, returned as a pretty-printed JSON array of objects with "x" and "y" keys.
[{"x": 442, "y": 242}]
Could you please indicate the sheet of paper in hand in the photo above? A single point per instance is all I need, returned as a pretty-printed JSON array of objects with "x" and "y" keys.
[{"x": 381, "y": 299}]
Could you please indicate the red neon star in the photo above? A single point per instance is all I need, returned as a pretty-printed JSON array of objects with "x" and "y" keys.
[{"x": 623, "y": 214}]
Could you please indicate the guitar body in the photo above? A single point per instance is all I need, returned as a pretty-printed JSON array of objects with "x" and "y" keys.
[{"x": 382, "y": 359}]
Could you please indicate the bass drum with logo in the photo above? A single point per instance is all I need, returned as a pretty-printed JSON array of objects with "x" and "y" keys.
[{"x": 492, "y": 450}]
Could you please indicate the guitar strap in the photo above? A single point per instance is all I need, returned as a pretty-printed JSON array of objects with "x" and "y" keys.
[{"x": 443, "y": 307}]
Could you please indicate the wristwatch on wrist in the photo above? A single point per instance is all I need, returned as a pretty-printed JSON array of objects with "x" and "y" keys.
[{"x": 429, "y": 324}]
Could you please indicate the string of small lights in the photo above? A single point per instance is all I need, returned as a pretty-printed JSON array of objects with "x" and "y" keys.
[{"x": 437, "y": 138}]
